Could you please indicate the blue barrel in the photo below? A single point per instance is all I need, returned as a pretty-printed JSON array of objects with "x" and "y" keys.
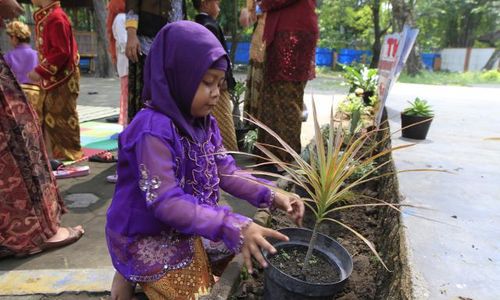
[
  {"x": 347, "y": 56},
  {"x": 242, "y": 52},
  {"x": 324, "y": 57},
  {"x": 428, "y": 60}
]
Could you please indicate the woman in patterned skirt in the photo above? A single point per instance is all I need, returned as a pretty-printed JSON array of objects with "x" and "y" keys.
[{"x": 30, "y": 204}]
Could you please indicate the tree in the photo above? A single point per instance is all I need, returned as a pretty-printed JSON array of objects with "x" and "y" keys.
[
  {"x": 377, "y": 32},
  {"x": 228, "y": 20},
  {"x": 452, "y": 23},
  {"x": 104, "y": 65},
  {"x": 403, "y": 14}
]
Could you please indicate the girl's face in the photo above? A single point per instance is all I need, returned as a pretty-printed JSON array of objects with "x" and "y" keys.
[{"x": 208, "y": 93}]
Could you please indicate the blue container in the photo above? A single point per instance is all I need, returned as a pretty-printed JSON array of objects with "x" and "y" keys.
[
  {"x": 428, "y": 60},
  {"x": 347, "y": 56},
  {"x": 324, "y": 57},
  {"x": 85, "y": 64},
  {"x": 242, "y": 52}
]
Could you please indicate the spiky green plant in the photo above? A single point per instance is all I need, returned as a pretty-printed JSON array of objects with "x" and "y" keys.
[
  {"x": 325, "y": 174},
  {"x": 419, "y": 108}
]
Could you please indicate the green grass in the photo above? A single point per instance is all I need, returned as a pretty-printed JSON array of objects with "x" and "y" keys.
[{"x": 453, "y": 78}]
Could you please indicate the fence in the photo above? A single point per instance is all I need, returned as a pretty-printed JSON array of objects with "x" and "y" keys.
[
  {"x": 324, "y": 56},
  {"x": 466, "y": 59}
]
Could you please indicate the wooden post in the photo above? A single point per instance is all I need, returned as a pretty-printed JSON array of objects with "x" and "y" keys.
[
  {"x": 467, "y": 59},
  {"x": 437, "y": 64},
  {"x": 335, "y": 57},
  {"x": 104, "y": 64}
]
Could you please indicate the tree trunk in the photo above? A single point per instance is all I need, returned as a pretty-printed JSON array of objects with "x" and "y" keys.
[
  {"x": 234, "y": 32},
  {"x": 377, "y": 32},
  {"x": 103, "y": 60},
  {"x": 402, "y": 14},
  {"x": 491, "y": 61}
]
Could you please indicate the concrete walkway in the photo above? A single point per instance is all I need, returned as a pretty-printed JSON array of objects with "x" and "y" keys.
[{"x": 458, "y": 255}]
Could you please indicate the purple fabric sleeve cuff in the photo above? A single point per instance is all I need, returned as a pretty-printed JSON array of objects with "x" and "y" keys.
[{"x": 234, "y": 225}]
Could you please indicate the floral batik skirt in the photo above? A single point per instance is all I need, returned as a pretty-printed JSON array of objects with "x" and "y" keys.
[
  {"x": 282, "y": 112},
  {"x": 30, "y": 205},
  {"x": 61, "y": 126},
  {"x": 188, "y": 283},
  {"x": 224, "y": 116}
]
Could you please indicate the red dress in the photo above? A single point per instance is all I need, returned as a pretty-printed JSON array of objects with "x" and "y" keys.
[
  {"x": 58, "y": 57},
  {"x": 290, "y": 33},
  {"x": 30, "y": 204}
]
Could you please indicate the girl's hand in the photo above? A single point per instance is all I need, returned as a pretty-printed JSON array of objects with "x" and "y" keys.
[
  {"x": 254, "y": 239},
  {"x": 293, "y": 206}
]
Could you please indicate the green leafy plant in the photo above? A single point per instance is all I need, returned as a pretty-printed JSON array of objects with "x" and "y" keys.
[
  {"x": 360, "y": 76},
  {"x": 324, "y": 176},
  {"x": 236, "y": 99},
  {"x": 353, "y": 106},
  {"x": 418, "y": 108},
  {"x": 250, "y": 139}
]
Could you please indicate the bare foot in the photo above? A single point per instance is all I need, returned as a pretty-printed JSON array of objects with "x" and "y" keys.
[
  {"x": 122, "y": 289},
  {"x": 63, "y": 233}
]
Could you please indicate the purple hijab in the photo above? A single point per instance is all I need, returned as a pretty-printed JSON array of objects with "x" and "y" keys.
[{"x": 180, "y": 55}]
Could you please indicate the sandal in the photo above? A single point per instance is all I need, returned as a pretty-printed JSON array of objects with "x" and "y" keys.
[
  {"x": 74, "y": 235},
  {"x": 105, "y": 157}
]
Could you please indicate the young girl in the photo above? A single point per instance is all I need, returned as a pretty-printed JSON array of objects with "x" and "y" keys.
[
  {"x": 170, "y": 169},
  {"x": 22, "y": 58}
]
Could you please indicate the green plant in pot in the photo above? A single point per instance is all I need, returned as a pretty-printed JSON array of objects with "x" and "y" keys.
[
  {"x": 327, "y": 178},
  {"x": 359, "y": 76},
  {"x": 416, "y": 119}
]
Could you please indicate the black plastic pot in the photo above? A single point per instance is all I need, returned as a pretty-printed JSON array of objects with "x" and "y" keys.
[
  {"x": 418, "y": 131},
  {"x": 281, "y": 286}
]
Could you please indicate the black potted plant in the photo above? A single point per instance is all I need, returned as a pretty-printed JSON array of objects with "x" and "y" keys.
[
  {"x": 416, "y": 119},
  {"x": 326, "y": 178}
]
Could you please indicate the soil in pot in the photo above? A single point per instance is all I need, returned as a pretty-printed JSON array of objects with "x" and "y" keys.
[
  {"x": 362, "y": 283},
  {"x": 290, "y": 260}
]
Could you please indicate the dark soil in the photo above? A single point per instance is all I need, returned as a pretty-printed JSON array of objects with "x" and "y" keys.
[
  {"x": 290, "y": 260},
  {"x": 362, "y": 283}
]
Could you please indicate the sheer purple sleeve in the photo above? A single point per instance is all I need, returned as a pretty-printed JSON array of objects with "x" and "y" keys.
[
  {"x": 257, "y": 194},
  {"x": 164, "y": 195}
]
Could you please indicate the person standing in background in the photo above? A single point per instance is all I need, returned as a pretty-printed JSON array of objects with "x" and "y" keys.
[
  {"x": 208, "y": 10},
  {"x": 22, "y": 59},
  {"x": 117, "y": 34},
  {"x": 253, "y": 14},
  {"x": 143, "y": 21},
  {"x": 290, "y": 34},
  {"x": 30, "y": 203},
  {"x": 59, "y": 78}
]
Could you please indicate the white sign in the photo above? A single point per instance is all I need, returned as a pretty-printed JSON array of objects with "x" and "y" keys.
[{"x": 395, "y": 50}]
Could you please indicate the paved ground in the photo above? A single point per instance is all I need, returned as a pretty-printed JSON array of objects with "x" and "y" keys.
[{"x": 457, "y": 257}]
